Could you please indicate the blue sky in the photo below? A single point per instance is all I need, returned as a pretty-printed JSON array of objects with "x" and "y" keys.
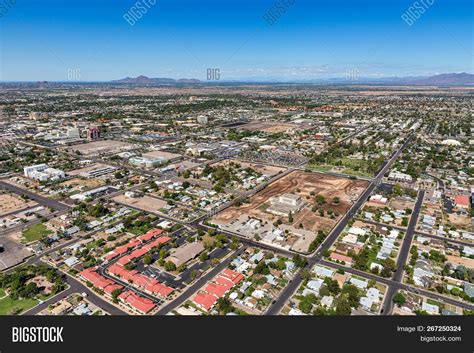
[{"x": 46, "y": 39}]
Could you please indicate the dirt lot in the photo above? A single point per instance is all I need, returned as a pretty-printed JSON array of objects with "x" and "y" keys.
[
  {"x": 162, "y": 154},
  {"x": 102, "y": 146},
  {"x": 302, "y": 184},
  {"x": 401, "y": 203},
  {"x": 460, "y": 221},
  {"x": 261, "y": 168},
  {"x": 9, "y": 204},
  {"x": 79, "y": 184},
  {"x": 145, "y": 203},
  {"x": 269, "y": 127}
]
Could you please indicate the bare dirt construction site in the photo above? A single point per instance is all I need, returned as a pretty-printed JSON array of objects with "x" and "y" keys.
[
  {"x": 144, "y": 203},
  {"x": 100, "y": 147},
  {"x": 10, "y": 204},
  {"x": 460, "y": 221},
  {"x": 307, "y": 186},
  {"x": 401, "y": 203},
  {"x": 265, "y": 169},
  {"x": 78, "y": 184},
  {"x": 269, "y": 127}
]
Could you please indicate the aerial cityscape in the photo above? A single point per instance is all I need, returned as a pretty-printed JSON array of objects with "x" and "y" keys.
[
  {"x": 294, "y": 189},
  {"x": 236, "y": 199}
]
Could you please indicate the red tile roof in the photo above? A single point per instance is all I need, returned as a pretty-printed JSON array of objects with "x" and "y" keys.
[
  {"x": 216, "y": 290},
  {"x": 162, "y": 240},
  {"x": 235, "y": 277},
  {"x": 138, "y": 253},
  {"x": 145, "y": 237},
  {"x": 155, "y": 287},
  {"x": 461, "y": 200},
  {"x": 150, "y": 284},
  {"x": 111, "y": 255},
  {"x": 224, "y": 281},
  {"x": 110, "y": 288},
  {"x": 140, "y": 280},
  {"x": 204, "y": 300},
  {"x": 150, "y": 234},
  {"x": 144, "y": 305},
  {"x": 124, "y": 260},
  {"x": 218, "y": 287},
  {"x": 96, "y": 279},
  {"x": 340, "y": 257},
  {"x": 122, "y": 272}
]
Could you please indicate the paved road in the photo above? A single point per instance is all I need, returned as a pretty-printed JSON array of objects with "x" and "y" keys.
[
  {"x": 410, "y": 232},
  {"x": 454, "y": 241},
  {"x": 18, "y": 211},
  {"x": 438, "y": 180},
  {"x": 403, "y": 255},
  {"x": 56, "y": 205},
  {"x": 198, "y": 284}
]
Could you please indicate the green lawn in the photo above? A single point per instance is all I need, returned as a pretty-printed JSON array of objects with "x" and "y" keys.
[
  {"x": 36, "y": 232},
  {"x": 319, "y": 167},
  {"x": 350, "y": 171},
  {"x": 9, "y": 305},
  {"x": 349, "y": 165}
]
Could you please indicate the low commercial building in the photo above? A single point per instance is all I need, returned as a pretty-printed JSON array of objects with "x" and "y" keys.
[
  {"x": 147, "y": 162},
  {"x": 400, "y": 177},
  {"x": 98, "y": 172},
  {"x": 284, "y": 204},
  {"x": 186, "y": 253}
]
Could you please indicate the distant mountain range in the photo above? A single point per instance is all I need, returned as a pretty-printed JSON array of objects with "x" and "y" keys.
[
  {"x": 449, "y": 79},
  {"x": 144, "y": 80},
  {"x": 462, "y": 78}
]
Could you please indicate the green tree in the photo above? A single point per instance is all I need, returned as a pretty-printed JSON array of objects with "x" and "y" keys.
[
  {"x": 399, "y": 299},
  {"x": 343, "y": 307},
  {"x": 170, "y": 266}
]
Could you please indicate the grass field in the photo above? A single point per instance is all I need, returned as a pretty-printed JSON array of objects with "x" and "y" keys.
[
  {"x": 319, "y": 167},
  {"x": 354, "y": 167},
  {"x": 9, "y": 305},
  {"x": 36, "y": 232}
]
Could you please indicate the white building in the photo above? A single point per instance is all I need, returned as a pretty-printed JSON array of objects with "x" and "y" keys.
[
  {"x": 148, "y": 162},
  {"x": 202, "y": 119},
  {"x": 398, "y": 176},
  {"x": 42, "y": 172},
  {"x": 289, "y": 199},
  {"x": 73, "y": 133}
]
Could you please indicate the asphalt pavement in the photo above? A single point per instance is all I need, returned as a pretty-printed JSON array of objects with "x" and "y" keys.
[{"x": 42, "y": 200}]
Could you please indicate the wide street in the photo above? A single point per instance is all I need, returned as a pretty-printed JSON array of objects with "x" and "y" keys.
[{"x": 42, "y": 200}]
